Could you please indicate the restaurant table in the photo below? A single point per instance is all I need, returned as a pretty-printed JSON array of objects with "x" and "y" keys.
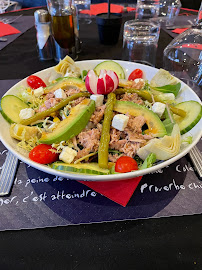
[{"x": 157, "y": 243}]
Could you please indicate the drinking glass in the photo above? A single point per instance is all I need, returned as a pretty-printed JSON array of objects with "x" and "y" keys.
[
  {"x": 83, "y": 7},
  {"x": 199, "y": 17},
  {"x": 140, "y": 41},
  {"x": 183, "y": 56},
  {"x": 168, "y": 11},
  {"x": 147, "y": 9},
  {"x": 62, "y": 24}
]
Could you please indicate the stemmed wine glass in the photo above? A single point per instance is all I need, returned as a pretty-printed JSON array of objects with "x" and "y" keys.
[{"x": 183, "y": 56}]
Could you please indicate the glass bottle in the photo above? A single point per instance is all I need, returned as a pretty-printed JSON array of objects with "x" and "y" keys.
[
  {"x": 62, "y": 24},
  {"x": 76, "y": 28}
]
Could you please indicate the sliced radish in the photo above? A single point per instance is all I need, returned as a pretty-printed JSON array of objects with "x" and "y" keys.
[
  {"x": 114, "y": 77},
  {"x": 104, "y": 84},
  {"x": 91, "y": 82},
  {"x": 109, "y": 84},
  {"x": 100, "y": 86}
]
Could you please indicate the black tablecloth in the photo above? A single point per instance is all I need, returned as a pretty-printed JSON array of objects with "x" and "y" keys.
[{"x": 165, "y": 243}]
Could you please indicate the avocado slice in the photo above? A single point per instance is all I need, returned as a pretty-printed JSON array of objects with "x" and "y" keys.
[
  {"x": 155, "y": 126},
  {"x": 66, "y": 81},
  {"x": 72, "y": 125},
  {"x": 110, "y": 65}
]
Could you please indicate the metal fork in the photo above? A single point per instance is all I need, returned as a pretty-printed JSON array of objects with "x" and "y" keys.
[
  {"x": 8, "y": 173},
  {"x": 196, "y": 158},
  {"x": 8, "y": 21}
]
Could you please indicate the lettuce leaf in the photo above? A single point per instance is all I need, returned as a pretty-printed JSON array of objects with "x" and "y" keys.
[
  {"x": 169, "y": 121},
  {"x": 168, "y": 126},
  {"x": 188, "y": 140},
  {"x": 170, "y": 88},
  {"x": 150, "y": 159}
]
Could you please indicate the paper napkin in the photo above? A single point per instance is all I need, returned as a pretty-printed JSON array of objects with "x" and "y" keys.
[
  {"x": 130, "y": 9},
  {"x": 179, "y": 30},
  {"x": 103, "y": 8},
  {"x": 117, "y": 191},
  {"x": 7, "y": 29}
]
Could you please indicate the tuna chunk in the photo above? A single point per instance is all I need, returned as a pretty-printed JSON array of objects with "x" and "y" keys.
[
  {"x": 131, "y": 97},
  {"x": 50, "y": 95},
  {"x": 115, "y": 135},
  {"x": 113, "y": 158},
  {"x": 48, "y": 104},
  {"x": 77, "y": 101},
  {"x": 72, "y": 91},
  {"x": 134, "y": 137},
  {"x": 131, "y": 139},
  {"x": 51, "y": 102},
  {"x": 90, "y": 140},
  {"x": 82, "y": 153},
  {"x": 136, "y": 123},
  {"x": 130, "y": 148},
  {"x": 138, "y": 84},
  {"x": 117, "y": 145},
  {"x": 98, "y": 114},
  {"x": 124, "y": 145}
]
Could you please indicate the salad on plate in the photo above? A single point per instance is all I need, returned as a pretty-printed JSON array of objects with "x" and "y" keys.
[{"x": 100, "y": 121}]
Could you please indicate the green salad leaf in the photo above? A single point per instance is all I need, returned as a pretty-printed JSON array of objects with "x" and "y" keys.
[
  {"x": 188, "y": 140},
  {"x": 168, "y": 125},
  {"x": 150, "y": 159},
  {"x": 59, "y": 79},
  {"x": 112, "y": 170},
  {"x": 169, "y": 121},
  {"x": 84, "y": 74},
  {"x": 170, "y": 88}
]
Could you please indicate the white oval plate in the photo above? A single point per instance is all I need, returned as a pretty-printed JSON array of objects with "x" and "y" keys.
[{"x": 10, "y": 144}]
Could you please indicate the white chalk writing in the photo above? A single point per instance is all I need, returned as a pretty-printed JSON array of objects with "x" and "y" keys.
[
  {"x": 62, "y": 195},
  {"x": 153, "y": 188},
  {"x": 7, "y": 201},
  {"x": 185, "y": 168}
]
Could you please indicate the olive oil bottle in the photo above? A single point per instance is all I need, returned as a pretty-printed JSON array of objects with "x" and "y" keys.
[{"x": 63, "y": 31}]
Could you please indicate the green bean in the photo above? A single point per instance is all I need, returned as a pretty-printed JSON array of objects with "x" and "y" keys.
[
  {"x": 105, "y": 135},
  {"x": 147, "y": 95},
  {"x": 61, "y": 104}
]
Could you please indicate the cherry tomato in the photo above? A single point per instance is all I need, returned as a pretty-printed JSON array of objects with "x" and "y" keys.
[
  {"x": 42, "y": 154},
  {"x": 125, "y": 164},
  {"x": 35, "y": 82},
  {"x": 135, "y": 74}
]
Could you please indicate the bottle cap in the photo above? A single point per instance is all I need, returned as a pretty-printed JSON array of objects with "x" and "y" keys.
[{"x": 41, "y": 16}]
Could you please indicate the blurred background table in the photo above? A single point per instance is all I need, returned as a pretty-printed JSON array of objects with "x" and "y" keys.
[
  {"x": 165, "y": 243},
  {"x": 30, "y": 3}
]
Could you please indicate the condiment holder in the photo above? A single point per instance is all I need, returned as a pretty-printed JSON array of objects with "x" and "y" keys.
[{"x": 109, "y": 25}]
